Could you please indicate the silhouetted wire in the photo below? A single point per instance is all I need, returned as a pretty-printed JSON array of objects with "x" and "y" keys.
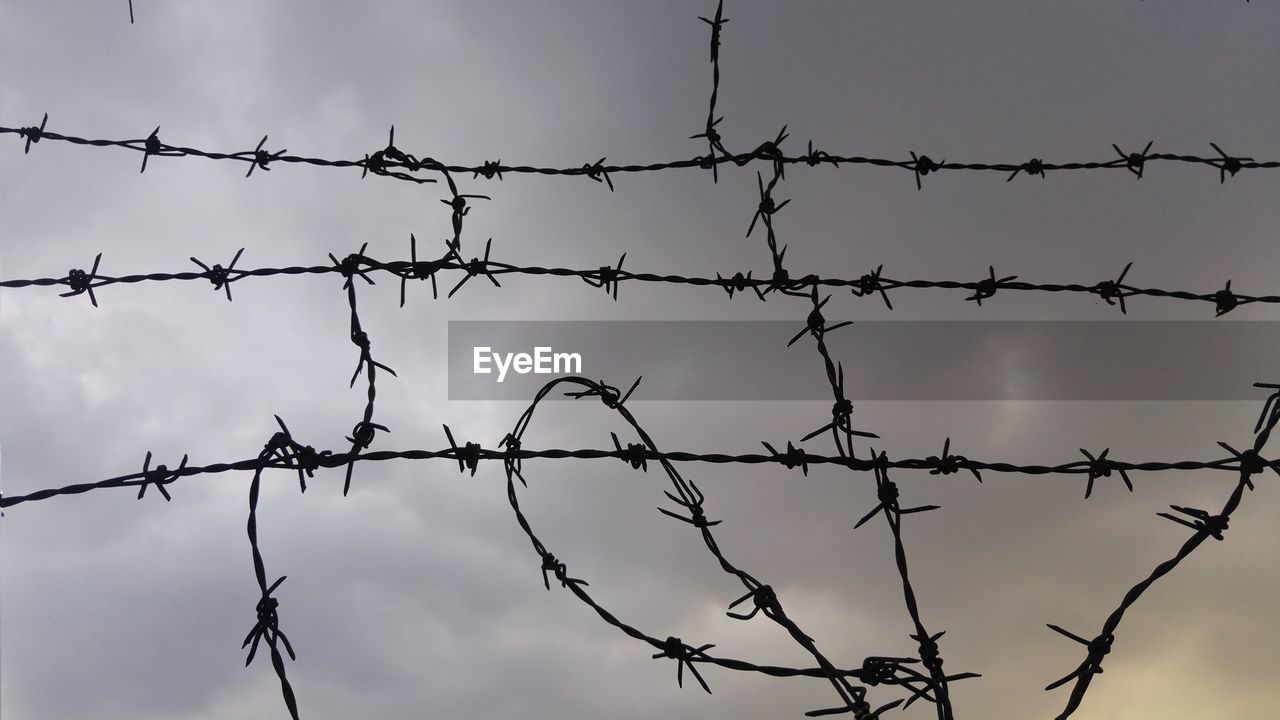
[
  {"x": 282, "y": 451},
  {"x": 935, "y": 687},
  {"x": 944, "y": 464},
  {"x": 871, "y": 284},
  {"x": 393, "y": 163}
]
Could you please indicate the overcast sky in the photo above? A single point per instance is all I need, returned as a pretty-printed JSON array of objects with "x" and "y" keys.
[{"x": 418, "y": 595}]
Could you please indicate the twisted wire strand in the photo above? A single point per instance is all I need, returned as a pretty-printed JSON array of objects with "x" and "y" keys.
[
  {"x": 933, "y": 464},
  {"x": 869, "y": 285},
  {"x": 392, "y": 163}
]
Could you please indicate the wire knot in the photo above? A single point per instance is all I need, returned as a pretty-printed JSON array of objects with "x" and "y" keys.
[
  {"x": 278, "y": 442},
  {"x": 814, "y": 157},
  {"x": 1034, "y": 166},
  {"x": 986, "y": 288},
  {"x": 1134, "y": 162},
  {"x": 1228, "y": 165},
  {"x": 489, "y": 170},
  {"x": 887, "y": 493},
  {"x": 887, "y": 496},
  {"x": 1225, "y": 301},
  {"x": 423, "y": 269},
  {"x": 1251, "y": 462},
  {"x": 793, "y": 458},
  {"x": 81, "y": 282},
  {"x": 597, "y": 172},
  {"x": 1100, "y": 647},
  {"x": 308, "y": 461},
  {"x": 947, "y": 464},
  {"x": 767, "y": 207},
  {"x": 512, "y": 463},
  {"x": 1100, "y": 467},
  {"x": 561, "y": 572},
  {"x": 375, "y": 163},
  {"x": 607, "y": 277},
  {"x": 1202, "y": 521},
  {"x": 267, "y": 626},
  {"x": 634, "y": 456},
  {"x": 470, "y": 456},
  {"x": 867, "y": 284},
  {"x": 33, "y": 134},
  {"x": 609, "y": 395},
  {"x": 218, "y": 276},
  {"x": 363, "y": 433},
  {"x": 551, "y": 565},
  {"x": 151, "y": 146},
  {"x": 78, "y": 280},
  {"x": 475, "y": 267},
  {"x": 929, "y": 653},
  {"x": 350, "y": 265},
  {"x": 690, "y": 500},
  {"x": 815, "y": 321},
  {"x": 763, "y": 599},
  {"x": 737, "y": 283},
  {"x": 769, "y": 150},
  {"x": 871, "y": 283},
  {"x": 261, "y": 158},
  {"x": 923, "y": 165},
  {"x": 159, "y": 477},
  {"x": 683, "y": 654},
  {"x": 842, "y": 411},
  {"x": 1215, "y": 525},
  {"x": 876, "y": 670}
]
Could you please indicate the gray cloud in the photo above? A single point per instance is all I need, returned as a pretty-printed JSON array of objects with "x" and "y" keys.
[{"x": 418, "y": 595}]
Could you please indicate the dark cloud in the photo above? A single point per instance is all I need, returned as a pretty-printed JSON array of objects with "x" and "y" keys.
[{"x": 418, "y": 593}]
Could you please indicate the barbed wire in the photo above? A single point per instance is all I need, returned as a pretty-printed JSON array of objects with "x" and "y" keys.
[
  {"x": 852, "y": 686},
  {"x": 394, "y": 163},
  {"x": 871, "y": 284},
  {"x": 946, "y": 463},
  {"x": 282, "y": 451}
]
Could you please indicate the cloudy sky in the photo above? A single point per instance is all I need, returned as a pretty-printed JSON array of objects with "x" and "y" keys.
[{"x": 418, "y": 595}]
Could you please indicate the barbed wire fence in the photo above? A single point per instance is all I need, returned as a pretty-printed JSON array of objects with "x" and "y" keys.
[{"x": 916, "y": 676}]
